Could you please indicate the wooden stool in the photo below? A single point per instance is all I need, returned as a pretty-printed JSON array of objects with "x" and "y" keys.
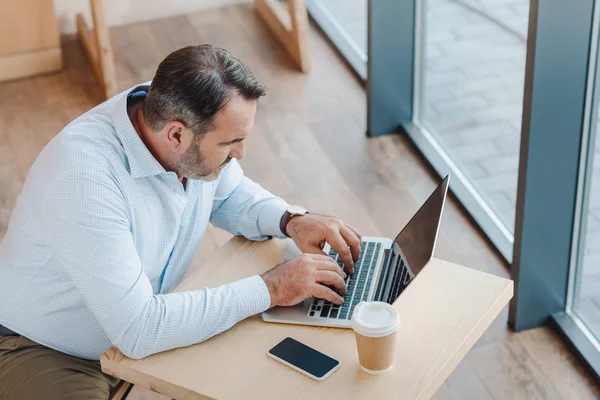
[
  {"x": 121, "y": 391},
  {"x": 96, "y": 43},
  {"x": 289, "y": 26}
]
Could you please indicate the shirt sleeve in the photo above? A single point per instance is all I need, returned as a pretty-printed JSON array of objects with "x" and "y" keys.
[
  {"x": 243, "y": 207},
  {"x": 86, "y": 222}
]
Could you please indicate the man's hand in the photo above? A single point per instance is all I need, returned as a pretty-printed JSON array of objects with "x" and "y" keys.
[
  {"x": 311, "y": 231},
  {"x": 303, "y": 277}
]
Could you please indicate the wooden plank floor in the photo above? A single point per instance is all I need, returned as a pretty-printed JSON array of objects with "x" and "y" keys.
[{"x": 308, "y": 146}]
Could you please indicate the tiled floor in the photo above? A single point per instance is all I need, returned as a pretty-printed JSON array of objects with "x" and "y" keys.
[{"x": 472, "y": 102}]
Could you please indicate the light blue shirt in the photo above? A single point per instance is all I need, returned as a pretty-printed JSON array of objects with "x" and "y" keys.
[{"x": 101, "y": 234}]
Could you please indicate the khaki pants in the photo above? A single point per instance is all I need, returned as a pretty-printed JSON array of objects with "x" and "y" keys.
[{"x": 29, "y": 370}]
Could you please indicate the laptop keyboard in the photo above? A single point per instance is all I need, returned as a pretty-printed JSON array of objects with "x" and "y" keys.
[
  {"x": 358, "y": 284},
  {"x": 400, "y": 280}
]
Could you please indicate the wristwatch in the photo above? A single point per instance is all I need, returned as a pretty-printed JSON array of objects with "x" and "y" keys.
[{"x": 291, "y": 212}]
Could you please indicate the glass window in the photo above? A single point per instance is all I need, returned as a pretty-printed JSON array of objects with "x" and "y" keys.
[
  {"x": 586, "y": 301},
  {"x": 588, "y": 293},
  {"x": 352, "y": 17},
  {"x": 345, "y": 22},
  {"x": 471, "y": 91}
]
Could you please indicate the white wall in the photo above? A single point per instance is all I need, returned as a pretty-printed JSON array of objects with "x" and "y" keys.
[{"x": 120, "y": 12}]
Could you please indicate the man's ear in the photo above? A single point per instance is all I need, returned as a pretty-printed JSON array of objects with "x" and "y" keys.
[{"x": 178, "y": 136}]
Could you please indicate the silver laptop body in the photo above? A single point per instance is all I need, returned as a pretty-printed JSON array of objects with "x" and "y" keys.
[{"x": 384, "y": 269}]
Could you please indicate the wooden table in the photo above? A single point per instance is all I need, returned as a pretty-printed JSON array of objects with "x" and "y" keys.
[{"x": 443, "y": 312}]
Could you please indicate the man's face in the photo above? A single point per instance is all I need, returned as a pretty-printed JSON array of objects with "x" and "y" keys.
[{"x": 209, "y": 153}]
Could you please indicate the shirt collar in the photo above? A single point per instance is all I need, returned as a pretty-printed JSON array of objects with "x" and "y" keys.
[{"x": 141, "y": 162}]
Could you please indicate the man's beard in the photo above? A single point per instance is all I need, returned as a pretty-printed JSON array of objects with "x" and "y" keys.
[{"x": 192, "y": 165}]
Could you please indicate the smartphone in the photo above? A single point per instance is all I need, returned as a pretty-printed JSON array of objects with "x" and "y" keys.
[{"x": 304, "y": 359}]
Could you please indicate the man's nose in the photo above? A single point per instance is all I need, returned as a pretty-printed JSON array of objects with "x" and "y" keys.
[{"x": 238, "y": 151}]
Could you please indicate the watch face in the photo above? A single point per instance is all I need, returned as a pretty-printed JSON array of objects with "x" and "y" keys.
[{"x": 296, "y": 210}]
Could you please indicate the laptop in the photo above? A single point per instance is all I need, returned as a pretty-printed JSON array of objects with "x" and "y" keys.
[{"x": 383, "y": 270}]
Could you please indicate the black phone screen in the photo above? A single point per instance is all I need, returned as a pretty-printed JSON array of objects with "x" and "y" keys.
[{"x": 303, "y": 357}]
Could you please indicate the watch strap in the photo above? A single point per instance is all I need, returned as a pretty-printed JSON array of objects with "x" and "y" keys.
[{"x": 285, "y": 220}]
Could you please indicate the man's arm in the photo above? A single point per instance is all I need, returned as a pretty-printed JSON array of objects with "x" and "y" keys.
[
  {"x": 243, "y": 207},
  {"x": 87, "y": 225}
]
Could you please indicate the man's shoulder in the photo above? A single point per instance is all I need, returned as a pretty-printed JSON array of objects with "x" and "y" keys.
[
  {"x": 87, "y": 146},
  {"x": 94, "y": 134},
  {"x": 90, "y": 144}
]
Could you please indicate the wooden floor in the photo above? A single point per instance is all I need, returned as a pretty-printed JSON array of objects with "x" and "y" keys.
[{"x": 308, "y": 146}]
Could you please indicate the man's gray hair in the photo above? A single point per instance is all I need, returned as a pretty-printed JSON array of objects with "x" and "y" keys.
[{"x": 193, "y": 83}]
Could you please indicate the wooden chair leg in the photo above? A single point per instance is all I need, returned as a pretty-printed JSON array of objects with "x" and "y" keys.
[
  {"x": 97, "y": 46},
  {"x": 289, "y": 26},
  {"x": 121, "y": 391}
]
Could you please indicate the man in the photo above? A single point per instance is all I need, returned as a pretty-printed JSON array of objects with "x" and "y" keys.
[{"x": 110, "y": 217}]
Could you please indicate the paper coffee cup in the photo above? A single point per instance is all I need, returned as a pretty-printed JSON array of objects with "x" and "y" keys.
[{"x": 375, "y": 324}]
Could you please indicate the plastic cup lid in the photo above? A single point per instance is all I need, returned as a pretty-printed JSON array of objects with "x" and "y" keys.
[{"x": 375, "y": 318}]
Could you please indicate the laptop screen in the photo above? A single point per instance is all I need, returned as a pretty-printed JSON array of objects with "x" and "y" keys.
[{"x": 417, "y": 239}]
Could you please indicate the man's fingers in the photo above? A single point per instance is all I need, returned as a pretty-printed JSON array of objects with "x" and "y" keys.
[
  {"x": 352, "y": 241},
  {"x": 356, "y": 232},
  {"x": 323, "y": 292},
  {"x": 330, "y": 266},
  {"x": 315, "y": 250},
  {"x": 321, "y": 261},
  {"x": 332, "y": 278},
  {"x": 338, "y": 243},
  {"x": 318, "y": 257}
]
